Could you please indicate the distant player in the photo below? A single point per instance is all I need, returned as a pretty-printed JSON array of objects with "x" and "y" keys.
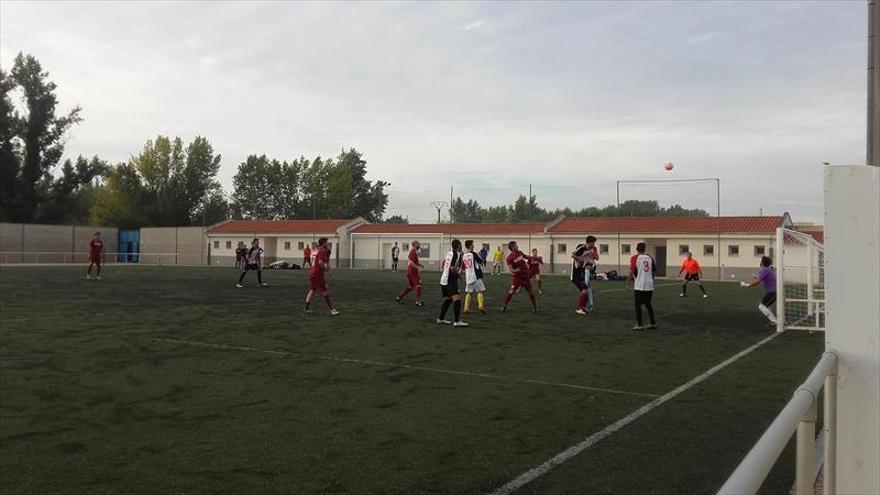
[
  {"x": 413, "y": 274},
  {"x": 473, "y": 270},
  {"x": 449, "y": 286},
  {"x": 484, "y": 255},
  {"x": 253, "y": 262},
  {"x": 497, "y": 257},
  {"x": 535, "y": 263},
  {"x": 96, "y": 254},
  {"x": 767, "y": 277},
  {"x": 395, "y": 257},
  {"x": 583, "y": 265},
  {"x": 240, "y": 255},
  {"x": 307, "y": 256},
  {"x": 519, "y": 269},
  {"x": 691, "y": 271},
  {"x": 317, "y": 281},
  {"x": 641, "y": 272}
]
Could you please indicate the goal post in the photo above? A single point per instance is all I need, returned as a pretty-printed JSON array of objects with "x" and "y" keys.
[{"x": 800, "y": 281}]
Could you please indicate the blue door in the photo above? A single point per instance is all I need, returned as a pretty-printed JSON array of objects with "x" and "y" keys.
[{"x": 129, "y": 245}]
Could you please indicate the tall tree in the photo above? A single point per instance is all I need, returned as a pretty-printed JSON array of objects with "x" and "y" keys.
[
  {"x": 10, "y": 148},
  {"x": 41, "y": 133},
  {"x": 68, "y": 197},
  {"x": 466, "y": 211},
  {"x": 122, "y": 201},
  {"x": 396, "y": 219}
]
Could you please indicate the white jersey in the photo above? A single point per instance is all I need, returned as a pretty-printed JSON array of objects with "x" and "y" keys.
[
  {"x": 644, "y": 269},
  {"x": 255, "y": 255},
  {"x": 470, "y": 271},
  {"x": 450, "y": 263}
]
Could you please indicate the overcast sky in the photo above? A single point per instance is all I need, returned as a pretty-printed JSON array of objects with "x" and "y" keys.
[{"x": 485, "y": 97}]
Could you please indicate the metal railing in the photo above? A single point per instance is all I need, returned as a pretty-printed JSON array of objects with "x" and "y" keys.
[
  {"x": 799, "y": 414},
  {"x": 79, "y": 257}
]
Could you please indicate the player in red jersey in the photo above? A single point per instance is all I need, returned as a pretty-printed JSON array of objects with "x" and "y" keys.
[
  {"x": 519, "y": 268},
  {"x": 96, "y": 252},
  {"x": 320, "y": 266},
  {"x": 413, "y": 278},
  {"x": 535, "y": 263}
]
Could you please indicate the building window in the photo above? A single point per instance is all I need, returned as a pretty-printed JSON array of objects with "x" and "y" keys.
[
  {"x": 216, "y": 244},
  {"x": 405, "y": 246},
  {"x": 228, "y": 244},
  {"x": 425, "y": 250},
  {"x": 561, "y": 248},
  {"x": 708, "y": 250},
  {"x": 287, "y": 245},
  {"x": 760, "y": 250},
  {"x": 733, "y": 250},
  {"x": 300, "y": 245},
  {"x": 683, "y": 249},
  {"x": 603, "y": 248},
  {"x": 625, "y": 248}
]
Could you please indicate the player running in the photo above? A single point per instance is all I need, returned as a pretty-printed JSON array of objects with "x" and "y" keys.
[
  {"x": 497, "y": 256},
  {"x": 449, "y": 286},
  {"x": 641, "y": 272},
  {"x": 519, "y": 269},
  {"x": 253, "y": 261},
  {"x": 535, "y": 263},
  {"x": 473, "y": 270},
  {"x": 766, "y": 277},
  {"x": 96, "y": 253},
  {"x": 317, "y": 282},
  {"x": 395, "y": 257},
  {"x": 692, "y": 271},
  {"x": 413, "y": 278}
]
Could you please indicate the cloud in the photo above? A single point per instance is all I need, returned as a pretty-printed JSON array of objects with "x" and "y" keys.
[
  {"x": 701, "y": 38},
  {"x": 474, "y": 25}
]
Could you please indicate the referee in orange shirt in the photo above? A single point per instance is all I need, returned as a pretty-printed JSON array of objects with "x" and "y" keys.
[{"x": 691, "y": 270}]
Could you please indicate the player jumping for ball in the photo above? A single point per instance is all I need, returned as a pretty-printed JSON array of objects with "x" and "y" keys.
[
  {"x": 691, "y": 271},
  {"x": 449, "y": 286},
  {"x": 767, "y": 277},
  {"x": 253, "y": 261},
  {"x": 641, "y": 272},
  {"x": 413, "y": 278},
  {"x": 96, "y": 252},
  {"x": 535, "y": 263},
  {"x": 473, "y": 270},
  {"x": 584, "y": 258},
  {"x": 317, "y": 282},
  {"x": 519, "y": 269}
]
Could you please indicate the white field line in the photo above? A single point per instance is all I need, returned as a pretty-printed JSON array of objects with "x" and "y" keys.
[
  {"x": 406, "y": 366},
  {"x": 569, "y": 453}
]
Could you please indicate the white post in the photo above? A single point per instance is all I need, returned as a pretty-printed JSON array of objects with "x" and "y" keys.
[
  {"x": 852, "y": 320},
  {"x": 806, "y": 452},
  {"x": 829, "y": 420},
  {"x": 809, "y": 278},
  {"x": 780, "y": 282}
]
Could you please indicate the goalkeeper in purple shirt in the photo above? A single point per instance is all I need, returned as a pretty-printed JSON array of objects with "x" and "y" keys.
[{"x": 766, "y": 277}]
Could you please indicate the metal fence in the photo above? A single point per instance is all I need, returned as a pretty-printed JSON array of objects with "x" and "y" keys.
[{"x": 70, "y": 257}]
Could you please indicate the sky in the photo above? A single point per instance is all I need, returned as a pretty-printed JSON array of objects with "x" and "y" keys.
[{"x": 484, "y": 98}]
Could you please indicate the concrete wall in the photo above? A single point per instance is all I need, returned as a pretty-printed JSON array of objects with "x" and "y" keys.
[
  {"x": 173, "y": 246},
  {"x": 35, "y": 243}
]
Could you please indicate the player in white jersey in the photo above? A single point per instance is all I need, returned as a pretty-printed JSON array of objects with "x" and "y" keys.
[
  {"x": 641, "y": 273},
  {"x": 473, "y": 271},
  {"x": 449, "y": 286},
  {"x": 253, "y": 262}
]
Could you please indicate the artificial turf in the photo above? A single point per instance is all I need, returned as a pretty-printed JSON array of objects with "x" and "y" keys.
[{"x": 171, "y": 380}]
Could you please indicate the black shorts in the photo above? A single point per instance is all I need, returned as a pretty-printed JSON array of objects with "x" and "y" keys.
[
  {"x": 768, "y": 299},
  {"x": 450, "y": 289},
  {"x": 579, "y": 279},
  {"x": 251, "y": 266},
  {"x": 643, "y": 296},
  {"x": 688, "y": 277}
]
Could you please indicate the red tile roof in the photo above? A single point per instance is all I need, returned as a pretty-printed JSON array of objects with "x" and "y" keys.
[
  {"x": 278, "y": 226},
  {"x": 451, "y": 228},
  {"x": 683, "y": 225}
]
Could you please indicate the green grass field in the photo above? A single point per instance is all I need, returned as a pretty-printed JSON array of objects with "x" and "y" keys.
[{"x": 171, "y": 380}]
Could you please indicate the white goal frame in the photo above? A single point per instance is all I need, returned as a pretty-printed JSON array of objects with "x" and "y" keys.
[{"x": 807, "y": 267}]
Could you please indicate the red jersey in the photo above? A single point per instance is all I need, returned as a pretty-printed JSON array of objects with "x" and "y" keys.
[
  {"x": 412, "y": 267},
  {"x": 320, "y": 259},
  {"x": 516, "y": 261},
  {"x": 95, "y": 248},
  {"x": 535, "y": 263},
  {"x": 307, "y": 253}
]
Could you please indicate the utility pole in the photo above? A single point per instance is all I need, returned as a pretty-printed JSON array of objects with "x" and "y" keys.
[
  {"x": 438, "y": 205},
  {"x": 873, "y": 150}
]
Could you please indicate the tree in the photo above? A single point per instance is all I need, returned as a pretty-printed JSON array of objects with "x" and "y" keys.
[
  {"x": 30, "y": 145},
  {"x": 259, "y": 189},
  {"x": 122, "y": 201},
  {"x": 68, "y": 198},
  {"x": 214, "y": 209},
  {"x": 397, "y": 219},
  {"x": 466, "y": 211}
]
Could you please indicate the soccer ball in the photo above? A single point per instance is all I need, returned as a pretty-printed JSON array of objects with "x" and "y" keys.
[{"x": 669, "y": 166}]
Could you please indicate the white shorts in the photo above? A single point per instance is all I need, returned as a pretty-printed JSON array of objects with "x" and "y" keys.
[{"x": 477, "y": 286}]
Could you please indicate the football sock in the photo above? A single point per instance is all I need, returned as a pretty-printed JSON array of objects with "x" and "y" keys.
[
  {"x": 444, "y": 308},
  {"x": 456, "y": 309},
  {"x": 650, "y": 308},
  {"x": 329, "y": 302},
  {"x": 418, "y": 292},
  {"x": 769, "y": 314},
  {"x": 259, "y": 277},
  {"x": 582, "y": 301},
  {"x": 638, "y": 314},
  {"x": 480, "y": 300},
  {"x": 541, "y": 285},
  {"x": 241, "y": 277},
  {"x": 590, "y": 296},
  {"x": 467, "y": 301},
  {"x": 508, "y": 297},
  {"x": 404, "y": 293},
  {"x": 532, "y": 298},
  {"x": 702, "y": 289},
  {"x": 684, "y": 289}
]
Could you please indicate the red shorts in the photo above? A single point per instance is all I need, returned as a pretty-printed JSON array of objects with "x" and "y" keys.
[
  {"x": 94, "y": 258},
  {"x": 518, "y": 283},
  {"x": 318, "y": 284},
  {"x": 534, "y": 272},
  {"x": 413, "y": 278}
]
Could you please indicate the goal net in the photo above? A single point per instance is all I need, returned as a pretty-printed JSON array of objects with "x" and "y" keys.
[{"x": 800, "y": 281}]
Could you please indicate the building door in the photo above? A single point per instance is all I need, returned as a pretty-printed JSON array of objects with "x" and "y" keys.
[
  {"x": 660, "y": 259},
  {"x": 386, "y": 255}
]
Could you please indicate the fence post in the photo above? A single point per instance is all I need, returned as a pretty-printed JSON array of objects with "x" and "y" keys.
[
  {"x": 780, "y": 279},
  {"x": 806, "y": 451},
  {"x": 829, "y": 420}
]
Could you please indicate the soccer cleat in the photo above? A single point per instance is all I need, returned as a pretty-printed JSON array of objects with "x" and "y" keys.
[
  {"x": 580, "y": 311},
  {"x": 98, "y": 277},
  {"x": 503, "y": 308},
  {"x": 443, "y": 322},
  {"x": 461, "y": 324},
  {"x": 705, "y": 296},
  {"x": 483, "y": 310},
  {"x": 652, "y": 326},
  {"x": 88, "y": 277},
  {"x": 534, "y": 311},
  {"x": 591, "y": 308},
  {"x": 239, "y": 286},
  {"x": 419, "y": 303},
  {"x": 637, "y": 328},
  {"x": 398, "y": 300},
  {"x": 263, "y": 285},
  {"x": 681, "y": 295},
  {"x": 308, "y": 311},
  {"x": 334, "y": 312},
  {"x": 540, "y": 293}
]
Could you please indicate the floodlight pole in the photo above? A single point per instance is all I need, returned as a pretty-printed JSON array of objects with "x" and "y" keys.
[{"x": 873, "y": 142}]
